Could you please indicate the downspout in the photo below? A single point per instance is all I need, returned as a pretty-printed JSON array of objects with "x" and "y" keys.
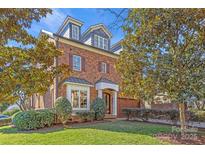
[{"x": 56, "y": 78}]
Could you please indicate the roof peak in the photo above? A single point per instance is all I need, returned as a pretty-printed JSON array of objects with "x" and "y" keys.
[{"x": 97, "y": 26}]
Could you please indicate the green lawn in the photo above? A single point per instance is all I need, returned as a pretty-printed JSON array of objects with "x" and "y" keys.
[{"x": 118, "y": 132}]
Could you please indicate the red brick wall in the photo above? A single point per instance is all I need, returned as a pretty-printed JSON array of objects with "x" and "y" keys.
[
  {"x": 91, "y": 72},
  {"x": 126, "y": 103}
]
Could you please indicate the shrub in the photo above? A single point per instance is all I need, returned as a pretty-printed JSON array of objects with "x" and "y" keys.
[
  {"x": 63, "y": 109},
  {"x": 99, "y": 108},
  {"x": 86, "y": 115},
  {"x": 11, "y": 112},
  {"x": 32, "y": 119},
  {"x": 200, "y": 116},
  {"x": 145, "y": 114},
  {"x": 5, "y": 121}
]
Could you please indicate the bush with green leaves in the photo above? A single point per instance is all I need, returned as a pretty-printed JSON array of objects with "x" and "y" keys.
[
  {"x": 86, "y": 115},
  {"x": 199, "y": 116},
  {"x": 11, "y": 112},
  {"x": 99, "y": 108},
  {"x": 29, "y": 120},
  {"x": 145, "y": 114},
  {"x": 63, "y": 109}
]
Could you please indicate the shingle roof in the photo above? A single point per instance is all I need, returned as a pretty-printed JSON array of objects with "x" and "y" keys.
[
  {"x": 77, "y": 80},
  {"x": 106, "y": 81}
]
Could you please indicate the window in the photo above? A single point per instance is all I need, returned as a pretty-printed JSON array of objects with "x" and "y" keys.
[
  {"x": 79, "y": 97},
  {"x": 100, "y": 42},
  {"x": 75, "y": 32},
  {"x": 76, "y": 63},
  {"x": 103, "y": 67}
]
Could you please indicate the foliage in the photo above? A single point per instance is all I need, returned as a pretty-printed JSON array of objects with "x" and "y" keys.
[
  {"x": 86, "y": 115},
  {"x": 3, "y": 107},
  {"x": 198, "y": 116},
  {"x": 11, "y": 112},
  {"x": 27, "y": 67},
  {"x": 5, "y": 121},
  {"x": 28, "y": 120},
  {"x": 63, "y": 109},
  {"x": 145, "y": 114},
  {"x": 99, "y": 107},
  {"x": 164, "y": 52}
]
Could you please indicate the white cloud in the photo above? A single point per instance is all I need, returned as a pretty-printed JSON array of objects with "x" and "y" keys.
[{"x": 53, "y": 21}]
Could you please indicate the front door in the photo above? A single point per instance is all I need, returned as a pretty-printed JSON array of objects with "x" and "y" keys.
[{"x": 107, "y": 98}]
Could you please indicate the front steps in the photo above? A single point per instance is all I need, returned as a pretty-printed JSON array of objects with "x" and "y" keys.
[{"x": 110, "y": 116}]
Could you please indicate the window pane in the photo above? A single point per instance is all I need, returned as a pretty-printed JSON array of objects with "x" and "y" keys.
[
  {"x": 77, "y": 63},
  {"x": 75, "y": 32},
  {"x": 105, "y": 44},
  {"x": 95, "y": 40},
  {"x": 101, "y": 42},
  {"x": 75, "y": 98},
  {"x": 83, "y": 99},
  {"x": 103, "y": 67}
]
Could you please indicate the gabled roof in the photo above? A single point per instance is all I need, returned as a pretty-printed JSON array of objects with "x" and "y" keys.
[
  {"x": 67, "y": 20},
  {"x": 77, "y": 80},
  {"x": 98, "y": 26},
  {"x": 105, "y": 80}
]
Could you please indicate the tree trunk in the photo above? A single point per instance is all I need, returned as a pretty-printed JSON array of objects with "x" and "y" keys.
[{"x": 182, "y": 117}]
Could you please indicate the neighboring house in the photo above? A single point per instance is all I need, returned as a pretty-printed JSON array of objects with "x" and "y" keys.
[{"x": 92, "y": 60}]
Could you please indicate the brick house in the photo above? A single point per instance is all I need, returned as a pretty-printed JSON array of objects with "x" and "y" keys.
[{"x": 92, "y": 59}]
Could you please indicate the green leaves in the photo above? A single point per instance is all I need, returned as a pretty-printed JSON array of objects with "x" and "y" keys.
[
  {"x": 29, "y": 67},
  {"x": 164, "y": 52}
]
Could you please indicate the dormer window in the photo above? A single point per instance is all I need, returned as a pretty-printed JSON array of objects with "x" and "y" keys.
[
  {"x": 100, "y": 42},
  {"x": 75, "y": 32}
]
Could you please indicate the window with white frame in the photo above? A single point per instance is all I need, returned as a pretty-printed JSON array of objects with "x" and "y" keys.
[
  {"x": 103, "y": 67},
  {"x": 76, "y": 63},
  {"x": 79, "y": 97},
  {"x": 100, "y": 42},
  {"x": 75, "y": 32}
]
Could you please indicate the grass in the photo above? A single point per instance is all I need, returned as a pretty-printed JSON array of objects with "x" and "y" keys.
[{"x": 118, "y": 132}]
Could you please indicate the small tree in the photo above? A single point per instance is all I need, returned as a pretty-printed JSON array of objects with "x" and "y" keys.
[
  {"x": 63, "y": 109},
  {"x": 164, "y": 51}
]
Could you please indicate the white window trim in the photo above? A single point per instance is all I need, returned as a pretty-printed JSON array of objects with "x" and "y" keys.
[
  {"x": 77, "y": 35},
  {"x": 105, "y": 64},
  {"x": 80, "y": 63},
  {"x": 71, "y": 87},
  {"x": 103, "y": 41}
]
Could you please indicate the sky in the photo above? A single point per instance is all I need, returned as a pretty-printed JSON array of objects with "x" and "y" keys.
[{"x": 89, "y": 16}]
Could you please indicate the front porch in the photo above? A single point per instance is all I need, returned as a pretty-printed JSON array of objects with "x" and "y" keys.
[{"x": 107, "y": 90}]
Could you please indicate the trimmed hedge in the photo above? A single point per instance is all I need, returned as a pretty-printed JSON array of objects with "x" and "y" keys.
[
  {"x": 99, "y": 108},
  {"x": 6, "y": 121},
  {"x": 11, "y": 112},
  {"x": 86, "y": 115},
  {"x": 145, "y": 114},
  {"x": 29, "y": 120}
]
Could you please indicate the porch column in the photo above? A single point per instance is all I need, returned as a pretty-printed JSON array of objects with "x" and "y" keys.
[
  {"x": 114, "y": 112},
  {"x": 100, "y": 93}
]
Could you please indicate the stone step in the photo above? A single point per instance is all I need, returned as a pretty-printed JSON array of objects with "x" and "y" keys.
[{"x": 110, "y": 116}]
